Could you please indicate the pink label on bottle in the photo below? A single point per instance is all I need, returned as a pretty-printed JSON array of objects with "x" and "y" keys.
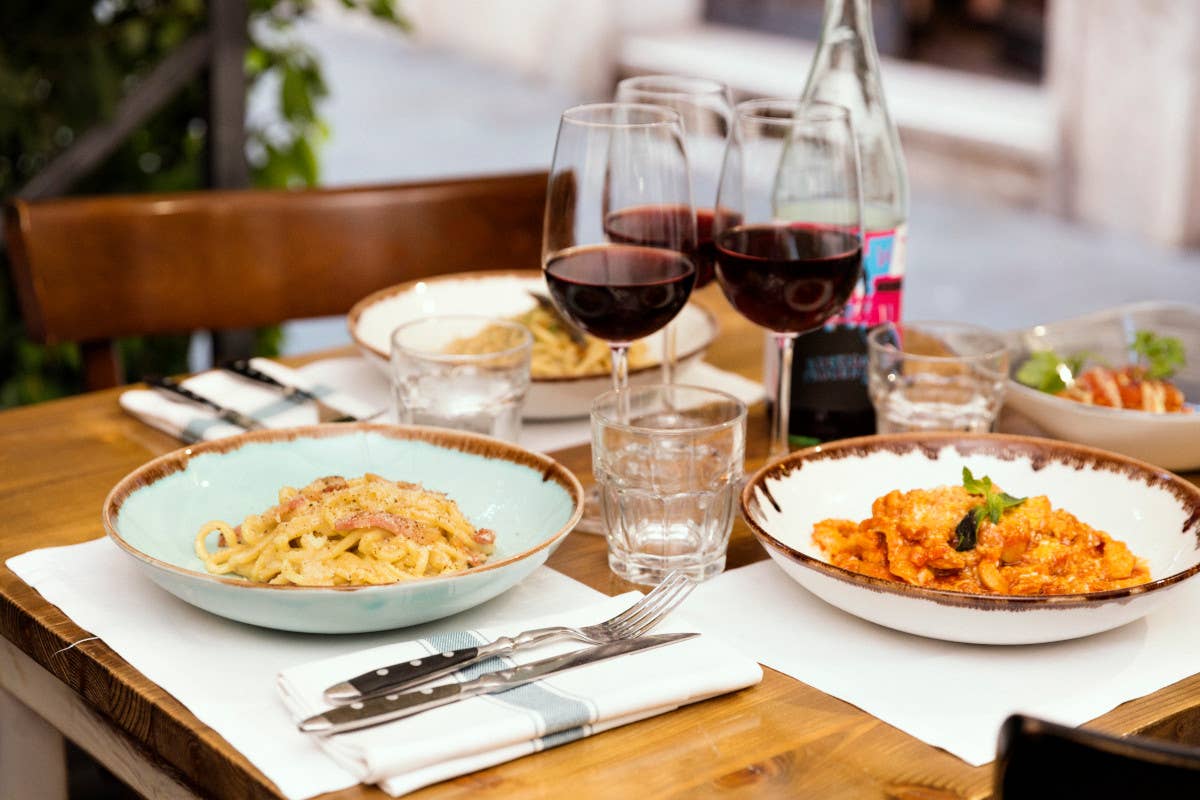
[{"x": 883, "y": 278}]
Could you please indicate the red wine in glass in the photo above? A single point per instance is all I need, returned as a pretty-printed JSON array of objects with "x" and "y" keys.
[
  {"x": 661, "y": 226},
  {"x": 620, "y": 292},
  {"x": 788, "y": 278}
]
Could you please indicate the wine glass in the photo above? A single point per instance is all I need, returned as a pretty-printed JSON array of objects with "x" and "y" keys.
[
  {"x": 788, "y": 226},
  {"x": 619, "y": 161},
  {"x": 707, "y": 116}
]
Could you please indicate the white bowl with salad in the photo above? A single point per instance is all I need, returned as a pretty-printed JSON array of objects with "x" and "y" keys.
[{"x": 1125, "y": 379}]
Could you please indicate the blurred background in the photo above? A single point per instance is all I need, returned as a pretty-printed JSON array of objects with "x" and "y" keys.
[{"x": 1053, "y": 146}]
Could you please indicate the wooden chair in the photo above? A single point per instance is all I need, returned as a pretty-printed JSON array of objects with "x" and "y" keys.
[
  {"x": 1038, "y": 760},
  {"x": 91, "y": 269}
]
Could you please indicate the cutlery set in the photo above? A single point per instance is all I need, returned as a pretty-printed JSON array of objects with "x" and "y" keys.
[
  {"x": 243, "y": 368},
  {"x": 401, "y": 690}
]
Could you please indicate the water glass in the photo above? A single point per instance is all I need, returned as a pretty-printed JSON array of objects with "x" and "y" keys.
[
  {"x": 936, "y": 376},
  {"x": 668, "y": 462},
  {"x": 469, "y": 373}
]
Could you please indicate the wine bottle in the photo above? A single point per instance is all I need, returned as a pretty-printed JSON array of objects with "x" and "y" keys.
[{"x": 829, "y": 372}]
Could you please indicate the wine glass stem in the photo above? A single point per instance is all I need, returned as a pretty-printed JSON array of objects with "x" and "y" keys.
[
  {"x": 668, "y": 354},
  {"x": 620, "y": 376},
  {"x": 783, "y": 396}
]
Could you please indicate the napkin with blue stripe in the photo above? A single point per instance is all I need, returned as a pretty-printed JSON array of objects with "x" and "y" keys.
[
  {"x": 480, "y": 732},
  {"x": 189, "y": 422}
]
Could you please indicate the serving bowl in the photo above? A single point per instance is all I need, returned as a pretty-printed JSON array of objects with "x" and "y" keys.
[
  {"x": 505, "y": 294},
  {"x": 154, "y": 513},
  {"x": 1168, "y": 440},
  {"x": 1155, "y": 513}
]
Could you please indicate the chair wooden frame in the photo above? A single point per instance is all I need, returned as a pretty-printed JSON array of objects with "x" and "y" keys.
[{"x": 92, "y": 269}]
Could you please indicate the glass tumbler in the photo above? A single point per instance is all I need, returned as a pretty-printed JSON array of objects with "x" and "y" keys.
[
  {"x": 936, "y": 376},
  {"x": 668, "y": 462},
  {"x": 469, "y": 373}
]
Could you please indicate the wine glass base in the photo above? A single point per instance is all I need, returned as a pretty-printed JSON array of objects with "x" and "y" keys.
[{"x": 592, "y": 520}]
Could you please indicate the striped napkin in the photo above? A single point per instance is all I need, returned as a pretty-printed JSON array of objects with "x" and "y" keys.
[
  {"x": 479, "y": 732},
  {"x": 192, "y": 423}
]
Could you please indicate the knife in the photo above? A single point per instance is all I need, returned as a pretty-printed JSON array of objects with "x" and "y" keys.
[
  {"x": 406, "y": 704},
  {"x": 173, "y": 387},
  {"x": 325, "y": 413}
]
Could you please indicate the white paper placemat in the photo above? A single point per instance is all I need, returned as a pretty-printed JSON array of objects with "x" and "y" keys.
[
  {"x": 224, "y": 671},
  {"x": 954, "y": 696}
]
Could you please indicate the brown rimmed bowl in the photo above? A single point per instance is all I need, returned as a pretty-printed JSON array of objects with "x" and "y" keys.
[
  {"x": 1153, "y": 511},
  {"x": 506, "y": 294},
  {"x": 153, "y": 514}
]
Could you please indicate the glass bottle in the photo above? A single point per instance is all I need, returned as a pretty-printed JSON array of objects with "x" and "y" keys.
[{"x": 829, "y": 373}]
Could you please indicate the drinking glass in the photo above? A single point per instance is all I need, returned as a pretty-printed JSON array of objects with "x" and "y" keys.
[
  {"x": 464, "y": 372},
  {"x": 626, "y": 162},
  {"x": 788, "y": 232},
  {"x": 936, "y": 376},
  {"x": 669, "y": 471},
  {"x": 706, "y": 115}
]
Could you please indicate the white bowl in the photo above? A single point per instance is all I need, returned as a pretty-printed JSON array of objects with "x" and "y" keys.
[
  {"x": 505, "y": 294},
  {"x": 1168, "y": 440},
  {"x": 153, "y": 514},
  {"x": 1155, "y": 513}
]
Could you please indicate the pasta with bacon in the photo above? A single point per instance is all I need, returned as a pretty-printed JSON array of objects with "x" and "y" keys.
[{"x": 339, "y": 532}]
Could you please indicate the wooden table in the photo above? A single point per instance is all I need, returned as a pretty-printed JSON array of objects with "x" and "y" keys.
[{"x": 780, "y": 738}]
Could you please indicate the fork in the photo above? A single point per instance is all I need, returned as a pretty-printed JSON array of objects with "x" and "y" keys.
[{"x": 630, "y": 623}]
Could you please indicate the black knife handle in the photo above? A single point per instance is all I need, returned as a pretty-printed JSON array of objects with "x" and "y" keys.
[
  {"x": 241, "y": 366},
  {"x": 417, "y": 670},
  {"x": 174, "y": 387}
]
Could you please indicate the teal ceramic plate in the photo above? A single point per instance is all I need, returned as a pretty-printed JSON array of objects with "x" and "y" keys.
[{"x": 532, "y": 502}]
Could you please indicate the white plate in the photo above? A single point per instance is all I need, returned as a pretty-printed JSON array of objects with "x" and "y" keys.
[
  {"x": 506, "y": 294},
  {"x": 1168, "y": 440},
  {"x": 1155, "y": 513}
]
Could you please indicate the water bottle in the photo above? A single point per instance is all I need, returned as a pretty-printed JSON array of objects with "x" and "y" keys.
[{"x": 829, "y": 373}]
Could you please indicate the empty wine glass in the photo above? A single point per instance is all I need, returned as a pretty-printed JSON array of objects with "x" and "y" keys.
[
  {"x": 788, "y": 225},
  {"x": 706, "y": 114}
]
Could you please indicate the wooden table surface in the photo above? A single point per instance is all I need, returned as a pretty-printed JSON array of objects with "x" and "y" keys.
[{"x": 781, "y": 738}]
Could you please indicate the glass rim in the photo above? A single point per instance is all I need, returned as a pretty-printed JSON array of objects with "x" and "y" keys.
[
  {"x": 578, "y": 115},
  {"x": 702, "y": 86},
  {"x": 437, "y": 355},
  {"x": 596, "y": 415},
  {"x": 748, "y": 110},
  {"x": 873, "y": 343}
]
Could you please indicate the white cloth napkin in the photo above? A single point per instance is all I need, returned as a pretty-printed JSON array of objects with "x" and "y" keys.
[
  {"x": 189, "y": 422},
  {"x": 483, "y": 731},
  {"x": 356, "y": 387},
  {"x": 953, "y": 696},
  {"x": 225, "y": 672}
]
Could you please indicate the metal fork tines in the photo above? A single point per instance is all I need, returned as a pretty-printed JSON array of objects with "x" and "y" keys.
[{"x": 634, "y": 621}]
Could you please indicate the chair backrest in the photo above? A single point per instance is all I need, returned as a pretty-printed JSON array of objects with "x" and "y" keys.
[
  {"x": 1039, "y": 760},
  {"x": 94, "y": 268}
]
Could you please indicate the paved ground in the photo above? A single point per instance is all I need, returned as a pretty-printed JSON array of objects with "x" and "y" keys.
[{"x": 402, "y": 112}]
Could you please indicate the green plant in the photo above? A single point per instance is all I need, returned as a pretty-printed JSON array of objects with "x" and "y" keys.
[{"x": 65, "y": 65}]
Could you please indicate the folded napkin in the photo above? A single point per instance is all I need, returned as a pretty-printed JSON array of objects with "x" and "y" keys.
[
  {"x": 479, "y": 732},
  {"x": 954, "y": 696},
  {"x": 362, "y": 390},
  {"x": 189, "y": 422}
]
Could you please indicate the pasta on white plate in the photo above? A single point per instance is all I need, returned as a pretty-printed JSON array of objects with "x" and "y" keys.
[
  {"x": 339, "y": 532},
  {"x": 555, "y": 353}
]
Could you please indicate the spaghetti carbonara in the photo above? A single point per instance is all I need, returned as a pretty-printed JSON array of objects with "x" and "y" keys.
[
  {"x": 555, "y": 353},
  {"x": 338, "y": 532}
]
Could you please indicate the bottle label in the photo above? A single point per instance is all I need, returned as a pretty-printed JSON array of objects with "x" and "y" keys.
[
  {"x": 883, "y": 279},
  {"x": 829, "y": 371}
]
